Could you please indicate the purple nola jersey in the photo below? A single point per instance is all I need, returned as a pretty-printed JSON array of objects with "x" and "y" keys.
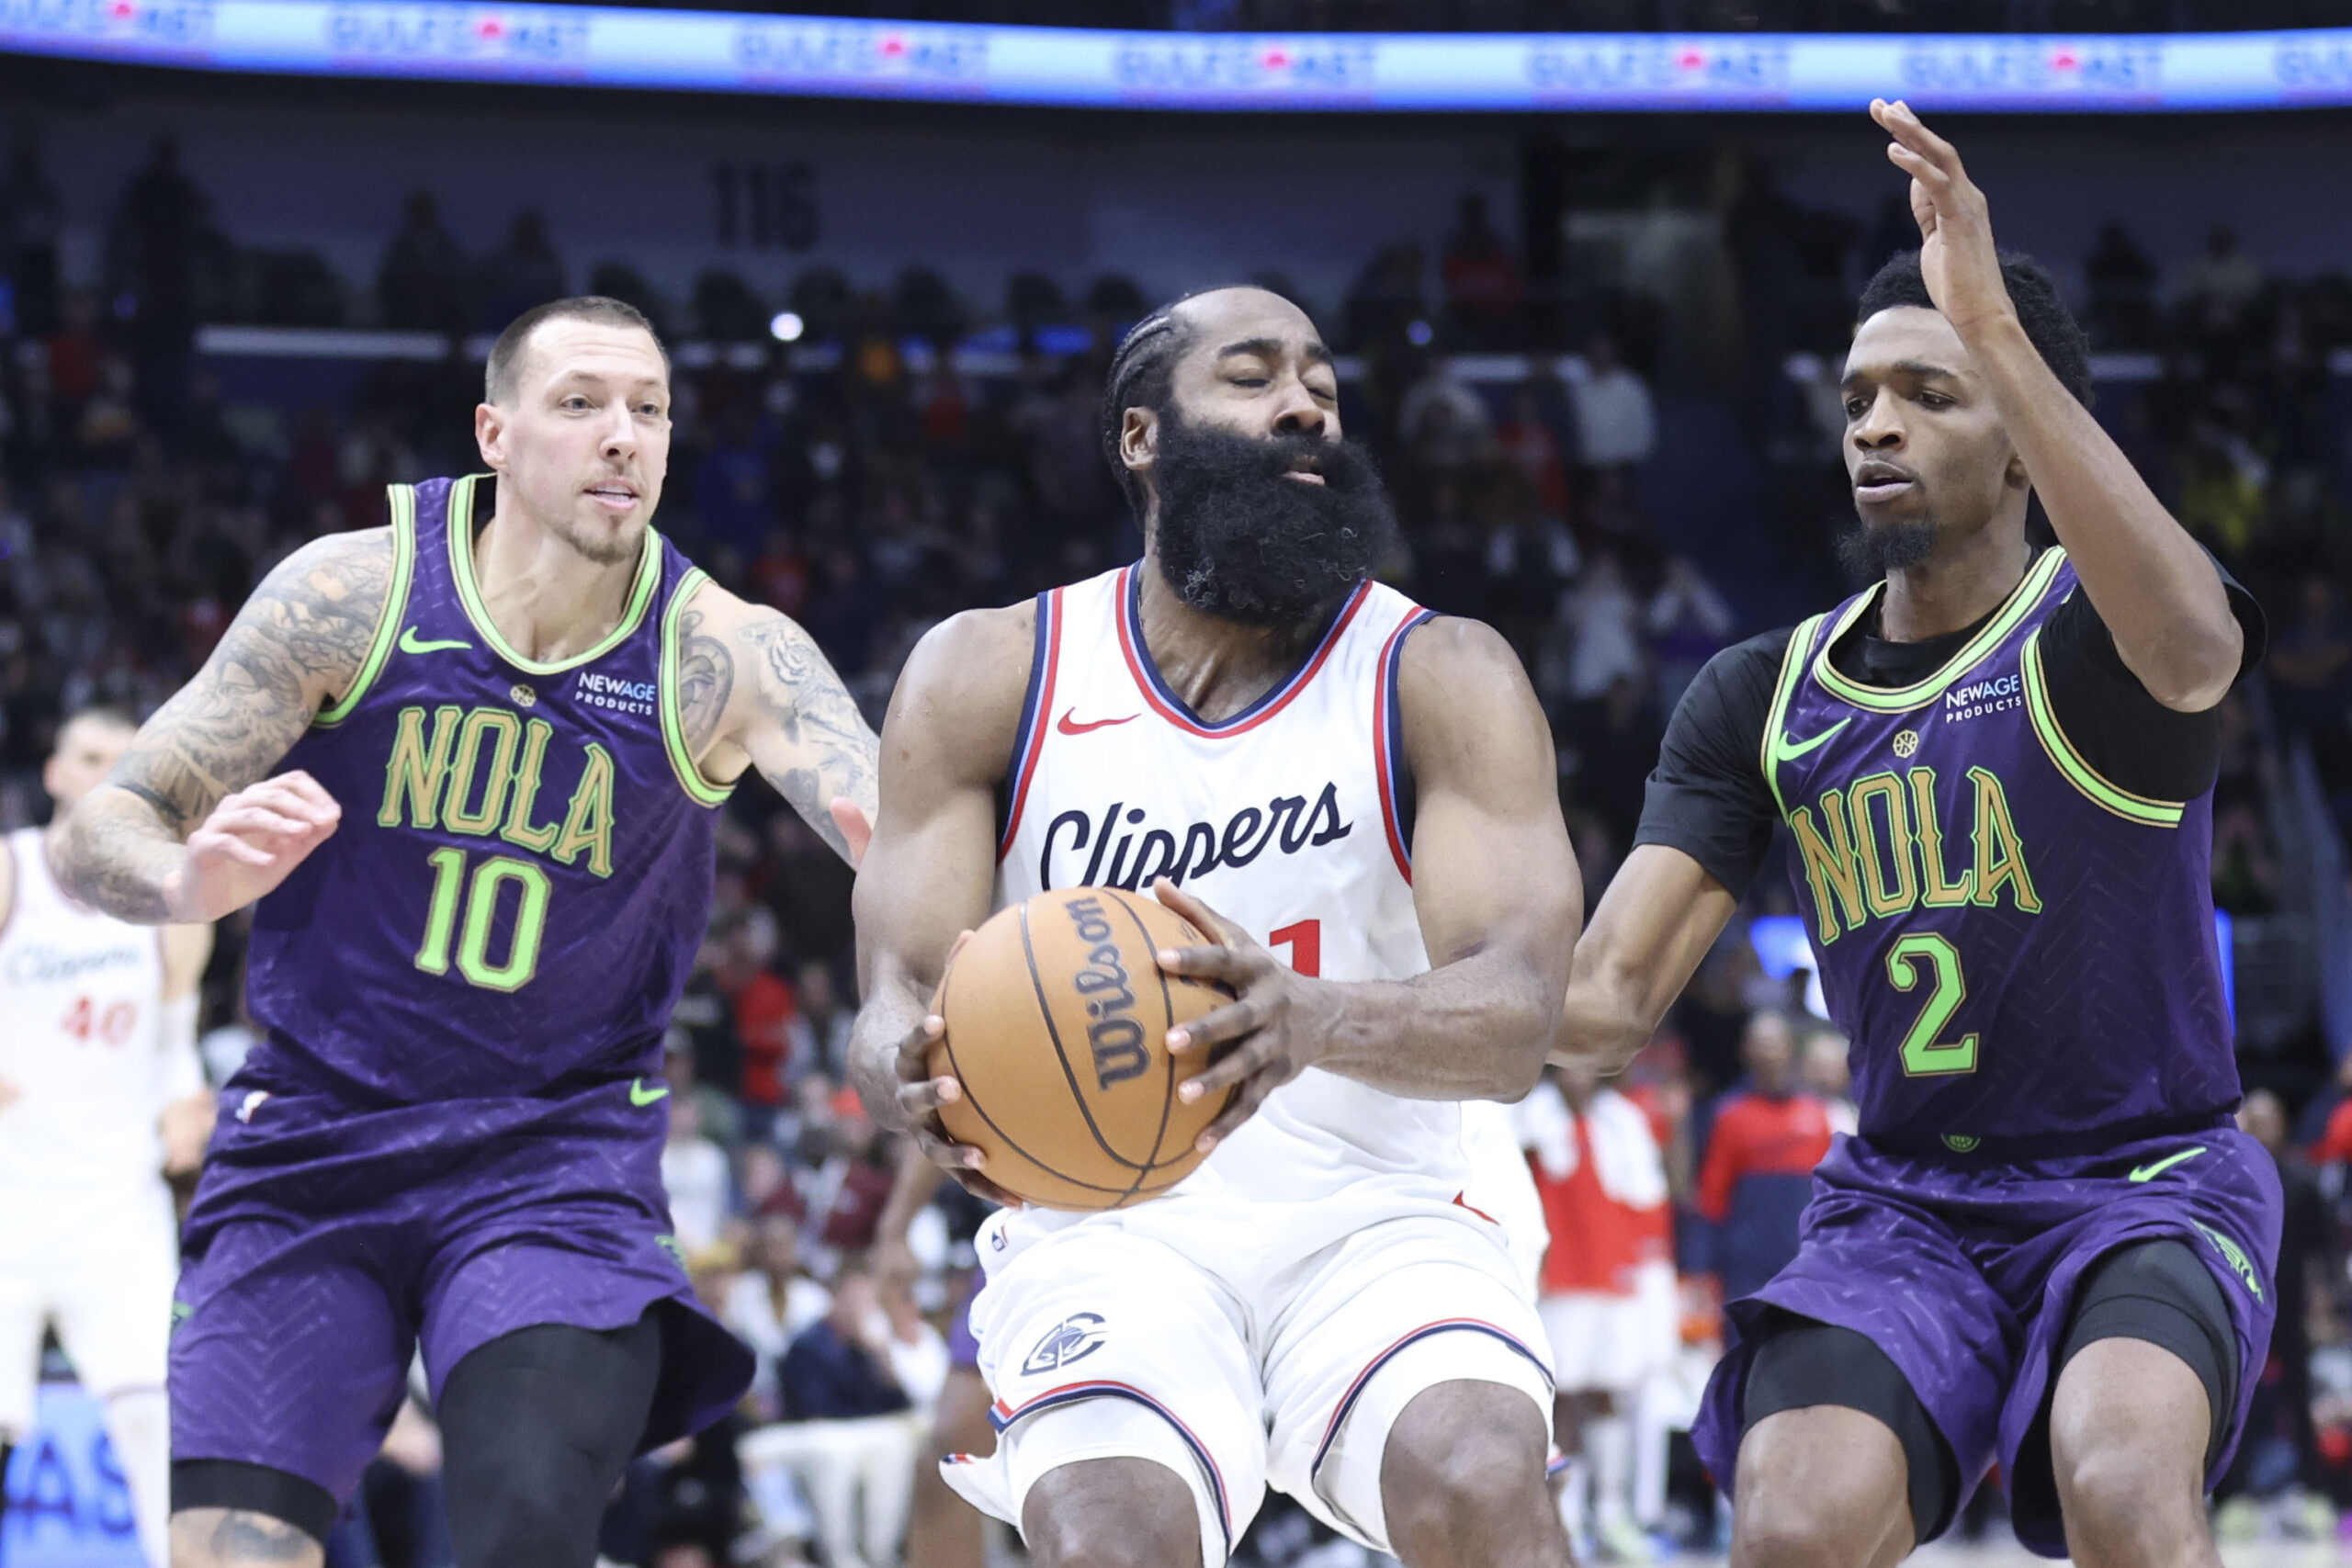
[
  {"x": 522, "y": 872},
  {"x": 2022, "y": 953}
]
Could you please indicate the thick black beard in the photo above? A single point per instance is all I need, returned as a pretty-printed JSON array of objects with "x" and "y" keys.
[
  {"x": 1871, "y": 553},
  {"x": 1238, "y": 540}
]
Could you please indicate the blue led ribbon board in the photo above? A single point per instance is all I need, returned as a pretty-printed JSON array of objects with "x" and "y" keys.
[{"x": 815, "y": 56}]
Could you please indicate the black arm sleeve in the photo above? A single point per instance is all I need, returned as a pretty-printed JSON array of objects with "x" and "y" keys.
[
  {"x": 1707, "y": 797},
  {"x": 2134, "y": 741}
]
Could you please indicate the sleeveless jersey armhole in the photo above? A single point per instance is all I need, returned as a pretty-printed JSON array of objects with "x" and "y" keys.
[
  {"x": 698, "y": 788},
  {"x": 1398, "y": 795},
  {"x": 388, "y": 619},
  {"x": 1029, "y": 736},
  {"x": 2094, "y": 785}
]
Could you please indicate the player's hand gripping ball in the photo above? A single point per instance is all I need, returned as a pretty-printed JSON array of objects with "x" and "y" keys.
[{"x": 1057, "y": 1017}]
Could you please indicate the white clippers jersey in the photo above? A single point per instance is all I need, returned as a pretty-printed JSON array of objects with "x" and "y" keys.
[
  {"x": 80, "y": 995},
  {"x": 1285, "y": 820}
]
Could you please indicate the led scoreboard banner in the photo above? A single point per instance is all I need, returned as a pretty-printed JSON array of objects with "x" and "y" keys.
[{"x": 720, "y": 52}]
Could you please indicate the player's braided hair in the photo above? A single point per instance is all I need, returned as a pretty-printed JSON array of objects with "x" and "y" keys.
[
  {"x": 1141, "y": 373},
  {"x": 2049, "y": 325},
  {"x": 506, "y": 354}
]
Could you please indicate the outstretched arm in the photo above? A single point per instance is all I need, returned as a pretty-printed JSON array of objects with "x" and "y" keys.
[
  {"x": 2153, "y": 585},
  {"x": 189, "y": 827},
  {"x": 1494, "y": 884},
  {"x": 1661, "y": 914},
  {"x": 755, "y": 690}
]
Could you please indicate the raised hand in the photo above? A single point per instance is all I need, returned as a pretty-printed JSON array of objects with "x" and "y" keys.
[
  {"x": 1278, "y": 1025},
  {"x": 250, "y": 843},
  {"x": 1957, "y": 256}
]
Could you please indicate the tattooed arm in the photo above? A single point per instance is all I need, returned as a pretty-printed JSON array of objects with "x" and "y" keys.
[
  {"x": 188, "y": 827},
  {"x": 755, "y": 690}
]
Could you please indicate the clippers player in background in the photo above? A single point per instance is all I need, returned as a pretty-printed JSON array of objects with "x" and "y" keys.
[
  {"x": 2049, "y": 1246},
  {"x": 471, "y": 764},
  {"x": 1311, "y": 769},
  {"x": 102, "y": 1100}
]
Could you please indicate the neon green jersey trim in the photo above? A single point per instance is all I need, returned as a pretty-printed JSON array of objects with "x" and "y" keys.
[
  {"x": 1777, "y": 748},
  {"x": 673, "y": 727},
  {"x": 2081, "y": 774},
  {"x": 395, "y": 610},
  {"x": 1903, "y": 699},
  {"x": 461, "y": 567}
]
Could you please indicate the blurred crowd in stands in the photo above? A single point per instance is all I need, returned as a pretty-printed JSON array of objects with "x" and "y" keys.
[{"x": 869, "y": 481}]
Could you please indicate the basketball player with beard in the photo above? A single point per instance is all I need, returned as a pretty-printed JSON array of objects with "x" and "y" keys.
[
  {"x": 1359, "y": 801},
  {"x": 2049, "y": 1247}
]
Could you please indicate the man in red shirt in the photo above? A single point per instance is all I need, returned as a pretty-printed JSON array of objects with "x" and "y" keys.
[
  {"x": 1757, "y": 1173},
  {"x": 1609, "y": 1301},
  {"x": 765, "y": 1009}
]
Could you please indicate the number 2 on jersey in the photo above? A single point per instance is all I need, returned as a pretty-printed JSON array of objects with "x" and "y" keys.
[
  {"x": 1923, "y": 1055},
  {"x": 479, "y": 895}
]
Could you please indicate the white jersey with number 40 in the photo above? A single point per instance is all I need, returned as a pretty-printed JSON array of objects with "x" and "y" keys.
[
  {"x": 80, "y": 996},
  {"x": 1288, "y": 819}
]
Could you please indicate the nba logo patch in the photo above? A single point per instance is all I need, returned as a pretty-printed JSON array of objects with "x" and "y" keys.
[{"x": 1074, "y": 1339}]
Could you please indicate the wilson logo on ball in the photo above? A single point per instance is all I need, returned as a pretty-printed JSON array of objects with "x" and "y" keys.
[
  {"x": 1114, "y": 1038},
  {"x": 1057, "y": 1018}
]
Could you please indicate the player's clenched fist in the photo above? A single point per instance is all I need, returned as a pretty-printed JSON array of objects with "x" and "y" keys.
[
  {"x": 251, "y": 843},
  {"x": 1278, "y": 1025}
]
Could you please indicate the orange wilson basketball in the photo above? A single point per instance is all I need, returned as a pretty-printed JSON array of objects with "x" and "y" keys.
[{"x": 1057, "y": 1017}]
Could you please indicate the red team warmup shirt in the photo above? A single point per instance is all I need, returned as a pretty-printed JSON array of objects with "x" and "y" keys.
[
  {"x": 1755, "y": 1136},
  {"x": 1608, "y": 1210}
]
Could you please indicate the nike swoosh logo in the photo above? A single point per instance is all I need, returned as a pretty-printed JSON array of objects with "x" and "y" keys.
[
  {"x": 1067, "y": 728},
  {"x": 2150, "y": 1172},
  {"x": 1797, "y": 749},
  {"x": 640, "y": 1094},
  {"x": 411, "y": 643}
]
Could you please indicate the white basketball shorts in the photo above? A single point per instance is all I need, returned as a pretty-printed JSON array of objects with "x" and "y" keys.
[
  {"x": 101, "y": 1267},
  {"x": 1613, "y": 1344},
  {"x": 1104, "y": 1341}
]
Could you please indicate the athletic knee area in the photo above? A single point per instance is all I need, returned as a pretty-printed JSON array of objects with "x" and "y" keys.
[
  {"x": 240, "y": 1538},
  {"x": 1800, "y": 1367},
  {"x": 534, "y": 1503},
  {"x": 1822, "y": 1487},
  {"x": 1463, "y": 1453},
  {"x": 536, "y": 1426},
  {"x": 1112, "y": 1513},
  {"x": 2157, "y": 1292},
  {"x": 1781, "y": 1528},
  {"x": 2117, "y": 1483}
]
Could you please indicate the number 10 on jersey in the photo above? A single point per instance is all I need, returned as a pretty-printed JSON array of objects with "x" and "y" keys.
[{"x": 477, "y": 896}]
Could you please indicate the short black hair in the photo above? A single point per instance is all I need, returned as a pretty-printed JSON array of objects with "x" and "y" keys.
[
  {"x": 506, "y": 354},
  {"x": 2049, "y": 325},
  {"x": 1141, "y": 375}
]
